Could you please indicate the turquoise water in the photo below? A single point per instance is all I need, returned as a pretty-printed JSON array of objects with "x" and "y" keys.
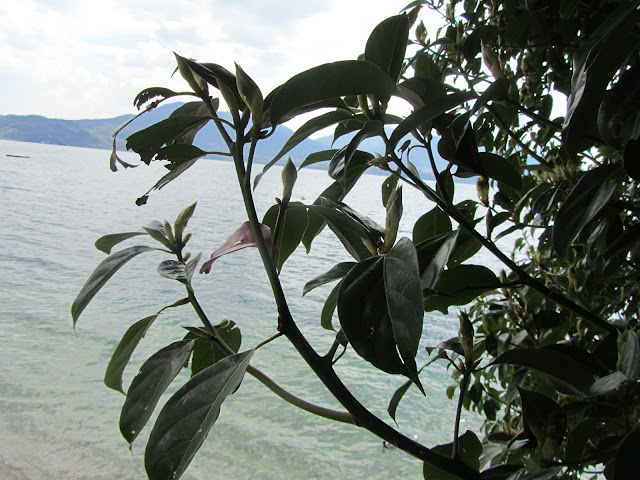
[{"x": 57, "y": 419}]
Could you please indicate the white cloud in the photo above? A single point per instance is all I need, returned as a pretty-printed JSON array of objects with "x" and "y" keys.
[{"x": 77, "y": 59}]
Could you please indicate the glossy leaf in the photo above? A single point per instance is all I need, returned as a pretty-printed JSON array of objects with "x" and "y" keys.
[
  {"x": 470, "y": 450},
  {"x": 149, "y": 141},
  {"x": 208, "y": 352},
  {"x": 107, "y": 242},
  {"x": 500, "y": 169},
  {"x": 387, "y": 44},
  {"x": 364, "y": 316},
  {"x": 575, "y": 375},
  {"x": 187, "y": 417},
  {"x": 404, "y": 301},
  {"x": 122, "y": 353},
  {"x": 584, "y": 202},
  {"x": 101, "y": 275},
  {"x": 459, "y": 285},
  {"x": 241, "y": 238},
  {"x": 545, "y": 421},
  {"x": 429, "y": 276},
  {"x": 434, "y": 222},
  {"x": 339, "y": 166},
  {"x": 292, "y": 228},
  {"x": 424, "y": 114},
  {"x": 351, "y": 233},
  {"x": 155, "y": 375},
  {"x": 250, "y": 94},
  {"x": 329, "y": 308},
  {"x": 336, "y": 272},
  {"x": 336, "y": 192},
  {"x": 332, "y": 80},
  {"x": 388, "y": 187},
  {"x": 594, "y": 66}
]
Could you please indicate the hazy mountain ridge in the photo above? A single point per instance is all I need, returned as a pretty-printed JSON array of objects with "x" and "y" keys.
[{"x": 96, "y": 133}]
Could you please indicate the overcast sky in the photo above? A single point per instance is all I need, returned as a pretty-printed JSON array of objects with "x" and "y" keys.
[{"x": 76, "y": 59}]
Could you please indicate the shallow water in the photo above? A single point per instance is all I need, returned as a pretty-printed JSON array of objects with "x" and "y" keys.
[{"x": 58, "y": 420}]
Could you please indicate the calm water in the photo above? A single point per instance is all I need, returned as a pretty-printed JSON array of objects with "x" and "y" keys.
[{"x": 57, "y": 419}]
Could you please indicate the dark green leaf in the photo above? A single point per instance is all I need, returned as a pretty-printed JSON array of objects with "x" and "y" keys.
[
  {"x": 179, "y": 152},
  {"x": 387, "y": 44},
  {"x": 155, "y": 375},
  {"x": 500, "y": 169},
  {"x": 149, "y": 141},
  {"x": 433, "y": 223},
  {"x": 594, "y": 66},
  {"x": 624, "y": 243},
  {"x": 497, "y": 89},
  {"x": 339, "y": 166},
  {"x": 107, "y": 242},
  {"x": 122, "y": 353},
  {"x": 364, "y": 316},
  {"x": 404, "y": 301},
  {"x": 575, "y": 375},
  {"x": 187, "y": 417},
  {"x": 207, "y": 352},
  {"x": 337, "y": 272},
  {"x": 470, "y": 450},
  {"x": 544, "y": 420},
  {"x": 460, "y": 285},
  {"x": 349, "y": 231},
  {"x": 332, "y": 80},
  {"x": 101, "y": 275},
  {"x": 395, "y": 399},
  {"x": 340, "y": 162},
  {"x": 424, "y": 114},
  {"x": 317, "y": 157},
  {"x": 627, "y": 459},
  {"x": 152, "y": 92},
  {"x": 159, "y": 236},
  {"x": 251, "y": 95},
  {"x": 329, "y": 308},
  {"x": 292, "y": 228},
  {"x": 430, "y": 275},
  {"x": 586, "y": 199}
]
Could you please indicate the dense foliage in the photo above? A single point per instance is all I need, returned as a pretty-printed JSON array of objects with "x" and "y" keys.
[{"x": 548, "y": 350}]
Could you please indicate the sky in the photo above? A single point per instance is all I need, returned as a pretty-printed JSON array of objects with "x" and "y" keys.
[{"x": 74, "y": 59}]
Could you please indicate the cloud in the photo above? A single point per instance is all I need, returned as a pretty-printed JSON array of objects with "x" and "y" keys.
[{"x": 76, "y": 59}]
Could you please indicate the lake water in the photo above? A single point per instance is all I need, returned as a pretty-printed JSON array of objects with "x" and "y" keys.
[{"x": 58, "y": 420}]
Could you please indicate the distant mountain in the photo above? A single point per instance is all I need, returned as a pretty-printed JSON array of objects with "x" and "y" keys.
[{"x": 96, "y": 133}]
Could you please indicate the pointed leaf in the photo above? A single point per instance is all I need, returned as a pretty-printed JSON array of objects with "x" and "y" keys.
[
  {"x": 207, "y": 352},
  {"x": 586, "y": 199},
  {"x": 424, "y": 114},
  {"x": 630, "y": 357},
  {"x": 122, "y": 353},
  {"x": 430, "y": 276},
  {"x": 431, "y": 224},
  {"x": 101, "y": 275},
  {"x": 292, "y": 228},
  {"x": 332, "y": 80},
  {"x": 152, "y": 92},
  {"x": 241, "y": 238},
  {"x": 387, "y": 44},
  {"x": 107, "y": 242},
  {"x": 364, "y": 316},
  {"x": 329, "y": 308},
  {"x": 187, "y": 417},
  {"x": 155, "y": 375},
  {"x": 337, "y": 272},
  {"x": 183, "y": 219},
  {"x": 149, "y": 141},
  {"x": 404, "y": 301}
]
